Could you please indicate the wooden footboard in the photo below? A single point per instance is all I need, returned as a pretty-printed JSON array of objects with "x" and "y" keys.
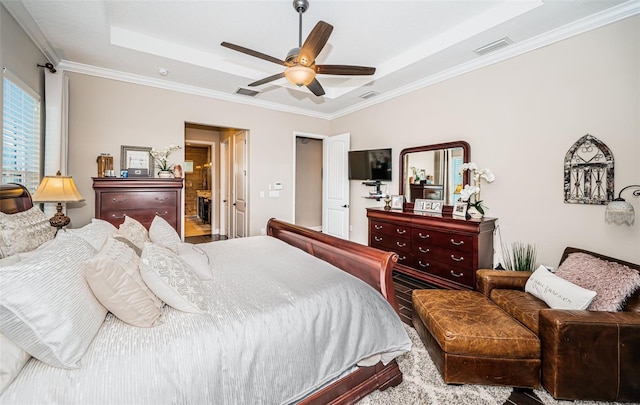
[{"x": 368, "y": 264}]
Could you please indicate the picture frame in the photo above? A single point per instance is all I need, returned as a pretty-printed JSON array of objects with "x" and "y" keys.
[
  {"x": 460, "y": 209},
  {"x": 436, "y": 206},
  {"x": 136, "y": 157},
  {"x": 188, "y": 166},
  {"x": 421, "y": 205},
  {"x": 397, "y": 201}
]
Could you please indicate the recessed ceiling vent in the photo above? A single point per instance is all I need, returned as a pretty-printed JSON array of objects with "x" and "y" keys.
[
  {"x": 369, "y": 94},
  {"x": 247, "y": 92},
  {"x": 494, "y": 46}
]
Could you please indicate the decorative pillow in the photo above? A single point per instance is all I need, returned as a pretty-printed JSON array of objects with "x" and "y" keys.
[
  {"x": 24, "y": 231},
  {"x": 134, "y": 231},
  {"x": 197, "y": 258},
  {"x": 127, "y": 242},
  {"x": 96, "y": 233},
  {"x": 115, "y": 280},
  {"x": 162, "y": 233},
  {"x": 9, "y": 260},
  {"x": 556, "y": 292},
  {"x": 46, "y": 305},
  {"x": 12, "y": 359},
  {"x": 172, "y": 279},
  {"x": 613, "y": 282}
]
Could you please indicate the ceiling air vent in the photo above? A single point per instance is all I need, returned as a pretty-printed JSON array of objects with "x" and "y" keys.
[
  {"x": 494, "y": 46},
  {"x": 247, "y": 92},
  {"x": 369, "y": 94}
]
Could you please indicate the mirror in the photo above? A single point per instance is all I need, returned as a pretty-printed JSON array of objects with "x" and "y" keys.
[{"x": 432, "y": 172}]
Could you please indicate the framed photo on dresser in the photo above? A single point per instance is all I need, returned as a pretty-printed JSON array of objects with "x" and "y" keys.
[
  {"x": 460, "y": 209},
  {"x": 137, "y": 160}
]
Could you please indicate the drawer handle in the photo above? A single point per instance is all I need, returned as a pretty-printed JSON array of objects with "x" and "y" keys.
[
  {"x": 377, "y": 226},
  {"x": 401, "y": 244},
  {"x": 401, "y": 231},
  {"x": 454, "y": 274},
  {"x": 161, "y": 215},
  {"x": 118, "y": 216},
  {"x": 161, "y": 199},
  {"x": 423, "y": 236},
  {"x": 423, "y": 250},
  {"x": 457, "y": 259},
  {"x": 457, "y": 243},
  {"x": 402, "y": 258},
  {"x": 119, "y": 201},
  {"x": 378, "y": 238},
  {"x": 423, "y": 264}
]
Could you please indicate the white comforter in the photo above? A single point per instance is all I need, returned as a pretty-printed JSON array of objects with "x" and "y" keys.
[{"x": 280, "y": 324}]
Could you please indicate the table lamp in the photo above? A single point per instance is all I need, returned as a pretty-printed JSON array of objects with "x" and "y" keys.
[{"x": 57, "y": 189}]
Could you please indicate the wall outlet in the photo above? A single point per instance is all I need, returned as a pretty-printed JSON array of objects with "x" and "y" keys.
[
  {"x": 273, "y": 194},
  {"x": 277, "y": 185}
]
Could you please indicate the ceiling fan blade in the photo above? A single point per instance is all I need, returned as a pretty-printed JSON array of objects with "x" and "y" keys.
[
  {"x": 314, "y": 43},
  {"x": 253, "y": 53},
  {"x": 316, "y": 88},
  {"x": 267, "y": 79},
  {"x": 344, "y": 70}
]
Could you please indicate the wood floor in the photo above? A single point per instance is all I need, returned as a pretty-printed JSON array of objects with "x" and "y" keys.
[{"x": 404, "y": 286}]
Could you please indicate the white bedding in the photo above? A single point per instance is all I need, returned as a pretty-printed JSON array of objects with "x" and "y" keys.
[{"x": 280, "y": 324}]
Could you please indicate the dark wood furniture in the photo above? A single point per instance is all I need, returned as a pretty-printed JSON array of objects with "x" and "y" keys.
[
  {"x": 14, "y": 198},
  {"x": 139, "y": 198}
]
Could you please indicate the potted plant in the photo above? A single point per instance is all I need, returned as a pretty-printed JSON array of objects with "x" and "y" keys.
[
  {"x": 471, "y": 193},
  {"x": 521, "y": 258},
  {"x": 161, "y": 160}
]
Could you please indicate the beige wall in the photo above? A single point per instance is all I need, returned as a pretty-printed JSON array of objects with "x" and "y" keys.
[
  {"x": 520, "y": 118},
  {"x": 105, "y": 114}
]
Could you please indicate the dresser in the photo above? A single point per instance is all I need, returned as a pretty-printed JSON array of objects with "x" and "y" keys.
[
  {"x": 434, "y": 250},
  {"x": 139, "y": 198}
]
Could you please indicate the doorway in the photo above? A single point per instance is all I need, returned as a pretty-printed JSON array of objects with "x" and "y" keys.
[
  {"x": 308, "y": 195},
  {"x": 212, "y": 155}
]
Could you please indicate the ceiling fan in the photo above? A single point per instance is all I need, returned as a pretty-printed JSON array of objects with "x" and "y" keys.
[{"x": 300, "y": 64}]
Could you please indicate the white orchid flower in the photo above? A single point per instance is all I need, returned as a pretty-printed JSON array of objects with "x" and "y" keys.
[
  {"x": 487, "y": 175},
  {"x": 468, "y": 191}
]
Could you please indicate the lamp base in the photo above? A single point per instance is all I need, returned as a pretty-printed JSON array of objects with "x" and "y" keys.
[{"x": 59, "y": 219}]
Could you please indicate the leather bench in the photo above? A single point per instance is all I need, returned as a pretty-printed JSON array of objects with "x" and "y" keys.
[{"x": 473, "y": 341}]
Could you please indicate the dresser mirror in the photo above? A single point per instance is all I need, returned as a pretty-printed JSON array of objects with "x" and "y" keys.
[{"x": 432, "y": 172}]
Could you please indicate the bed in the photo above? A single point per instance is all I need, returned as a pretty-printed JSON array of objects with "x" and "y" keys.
[{"x": 295, "y": 316}]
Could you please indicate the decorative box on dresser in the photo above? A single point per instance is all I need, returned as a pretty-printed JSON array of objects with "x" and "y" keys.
[
  {"x": 434, "y": 250},
  {"x": 140, "y": 198}
]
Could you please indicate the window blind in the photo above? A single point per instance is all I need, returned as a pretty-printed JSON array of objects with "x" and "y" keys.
[{"x": 21, "y": 134}]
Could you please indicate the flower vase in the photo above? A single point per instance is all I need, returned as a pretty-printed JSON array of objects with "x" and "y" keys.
[
  {"x": 474, "y": 213},
  {"x": 165, "y": 174}
]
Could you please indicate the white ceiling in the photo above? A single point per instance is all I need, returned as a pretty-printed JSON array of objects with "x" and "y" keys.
[{"x": 411, "y": 43}]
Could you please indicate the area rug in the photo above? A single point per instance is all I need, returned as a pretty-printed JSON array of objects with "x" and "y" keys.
[{"x": 422, "y": 384}]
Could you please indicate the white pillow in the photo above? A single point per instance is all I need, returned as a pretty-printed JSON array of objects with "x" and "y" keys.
[
  {"x": 115, "y": 280},
  {"x": 556, "y": 292},
  {"x": 134, "y": 231},
  {"x": 12, "y": 359},
  {"x": 24, "y": 231},
  {"x": 9, "y": 261},
  {"x": 162, "y": 233},
  {"x": 172, "y": 279},
  {"x": 46, "y": 305},
  {"x": 197, "y": 258},
  {"x": 96, "y": 233}
]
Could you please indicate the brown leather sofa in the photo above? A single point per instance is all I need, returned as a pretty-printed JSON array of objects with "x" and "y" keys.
[{"x": 586, "y": 355}]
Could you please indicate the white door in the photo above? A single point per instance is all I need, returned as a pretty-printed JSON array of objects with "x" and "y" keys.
[
  {"x": 335, "y": 186},
  {"x": 240, "y": 222},
  {"x": 224, "y": 188}
]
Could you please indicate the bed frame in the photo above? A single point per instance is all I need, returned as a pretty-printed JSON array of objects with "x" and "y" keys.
[{"x": 371, "y": 265}]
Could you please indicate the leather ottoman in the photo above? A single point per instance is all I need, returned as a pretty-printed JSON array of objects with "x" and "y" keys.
[{"x": 473, "y": 341}]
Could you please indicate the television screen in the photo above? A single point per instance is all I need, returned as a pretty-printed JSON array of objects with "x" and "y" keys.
[{"x": 372, "y": 164}]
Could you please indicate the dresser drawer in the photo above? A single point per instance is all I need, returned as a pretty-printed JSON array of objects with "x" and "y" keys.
[
  {"x": 143, "y": 215},
  {"x": 430, "y": 238},
  {"x": 448, "y": 257},
  {"x": 380, "y": 227},
  {"x": 390, "y": 243},
  {"x": 449, "y": 272},
  {"x": 149, "y": 200}
]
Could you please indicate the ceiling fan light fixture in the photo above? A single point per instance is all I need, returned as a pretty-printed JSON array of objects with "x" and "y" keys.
[{"x": 299, "y": 75}]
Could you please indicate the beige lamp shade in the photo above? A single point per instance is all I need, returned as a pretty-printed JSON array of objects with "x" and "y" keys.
[
  {"x": 299, "y": 75},
  {"x": 57, "y": 188}
]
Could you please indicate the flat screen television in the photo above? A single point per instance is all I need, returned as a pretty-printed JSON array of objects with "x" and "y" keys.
[{"x": 372, "y": 165}]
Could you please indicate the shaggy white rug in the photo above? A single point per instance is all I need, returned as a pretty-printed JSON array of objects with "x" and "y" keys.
[{"x": 422, "y": 384}]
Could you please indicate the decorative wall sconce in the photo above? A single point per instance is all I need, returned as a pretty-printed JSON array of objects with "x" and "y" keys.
[{"x": 619, "y": 211}]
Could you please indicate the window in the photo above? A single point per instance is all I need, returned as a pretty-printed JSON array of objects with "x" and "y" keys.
[{"x": 21, "y": 134}]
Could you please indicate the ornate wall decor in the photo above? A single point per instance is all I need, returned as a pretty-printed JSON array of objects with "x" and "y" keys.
[{"x": 588, "y": 172}]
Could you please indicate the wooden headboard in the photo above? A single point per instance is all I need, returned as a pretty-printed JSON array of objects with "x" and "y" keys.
[{"x": 14, "y": 198}]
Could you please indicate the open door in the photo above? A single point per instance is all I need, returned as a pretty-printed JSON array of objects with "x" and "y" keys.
[
  {"x": 335, "y": 186},
  {"x": 240, "y": 186}
]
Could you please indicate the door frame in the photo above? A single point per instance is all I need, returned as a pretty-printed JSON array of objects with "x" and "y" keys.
[
  {"x": 247, "y": 227},
  {"x": 212, "y": 173},
  {"x": 225, "y": 187},
  {"x": 297, "y": 134}
]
